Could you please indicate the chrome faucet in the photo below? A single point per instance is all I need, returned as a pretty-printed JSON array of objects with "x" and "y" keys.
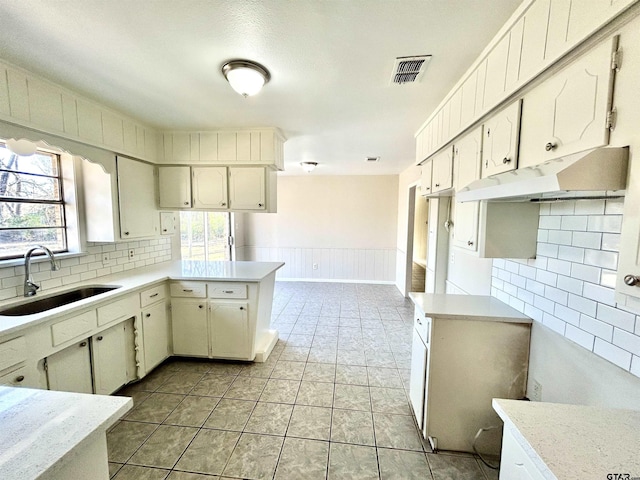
[{"x": 30, "y": 287}]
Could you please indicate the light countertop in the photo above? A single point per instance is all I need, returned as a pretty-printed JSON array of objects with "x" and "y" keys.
[
  {"x": 131, "y": 280},
  {"x": 467, "y": 307},
  {"x": 40, "y": 428},
  {"x": 574, "y": 441}
]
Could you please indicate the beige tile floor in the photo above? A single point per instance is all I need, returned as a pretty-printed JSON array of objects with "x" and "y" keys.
[{"x": 330, "y": 402}]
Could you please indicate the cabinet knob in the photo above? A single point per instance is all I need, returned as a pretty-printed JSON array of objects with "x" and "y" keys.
[
  {"x": 632, "y": 280},
  {"x": 200, "y": 306},
  {"x": 126, "y": 233},
  {"x": 164, "y": 229},
  {"x": 419, "y": 322},
  {"x": 506, "y": 160},
  {"x": 550, "y": 146},
  {"x": 260, "y": 205},
  {"x": 470, "y": 243},
  {"x": 99, "y": 338},
  {"x": 186, "y": 203},
  {"x": 83, "y": 344},
  {"x": 241, "y": 308},
  {"x": 19, "y": 378},
  {"x": 437, "y": 184},
  {"x": 148, "y": 315},
  {"x": 223, "y": 204}
]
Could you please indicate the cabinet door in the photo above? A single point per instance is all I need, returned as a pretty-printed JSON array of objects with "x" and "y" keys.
[
  {"x": 137, "y": 199},
  {"x": 167, "y": 223},
  {"x": 496, "y": 73},
  {"x": 425, "y": 178},
  {"x": 417, "y": 378},
  {"x": 534, "y": 37},
  {"x": 467, "y": 160},
  {"x": 16, "y": 378},
  {"x": 500, "y": 145},
  {"x": 155, "y": 335},
  {"x": 109, "y": 355},
  {"x": 515, "y": 463},
  {"x": 229, "y": 327},
  {"x": 568, "y": 112},
  {"x": 247, "y": 188},
  {"x": 210, "y": 187},
  {"x": 190, "y": 327},
  {"x": 174, "y": 185},
  {"x": 69, "y": 370},
  {"x": 442, "y": 171}
]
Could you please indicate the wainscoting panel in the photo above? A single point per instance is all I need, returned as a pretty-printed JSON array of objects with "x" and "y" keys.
[{"x": 331, "y": 263}]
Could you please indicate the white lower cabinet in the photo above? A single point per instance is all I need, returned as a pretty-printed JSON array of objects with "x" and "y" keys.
[
  {"x": 189, "y": 324},
  {"x": 515, "y": 464},
  {"x": 229, "y": 330},
  {"x": 15, "y": 378},
  {"x": 155, "y": 334},
  {"x": 109, "y": 359},
  {"x": 69, "y": 370},
  {"x": 417, "y": 381}
]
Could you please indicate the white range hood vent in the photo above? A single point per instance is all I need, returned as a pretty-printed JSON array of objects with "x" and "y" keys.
[{"x": 601, "y": 172}]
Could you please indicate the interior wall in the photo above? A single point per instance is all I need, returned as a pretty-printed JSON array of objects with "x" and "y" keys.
[
  {"x": 406, "y": 179},
  {"x": 344, "y": 226}
]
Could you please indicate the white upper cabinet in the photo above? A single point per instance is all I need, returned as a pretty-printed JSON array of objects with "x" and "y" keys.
[
  {"x": 210, "y": 187},
  {"x": 425, "y": 178},
  {"x": 442, "y": 178},
  {"x": 568, "y": 113},
  {"x": 137, "y": 199},
  {"x": 246, "y": 147},
  {"x": 500, "y": 145},
  {"x": 247, "y": 188},
  {"x": 534, "y": 37},
  {"x": 468, "y": 108},
  {"x": 496, "y": 73},
  {"x": 174, "y": 185},
  {"x": 467, "y": 158}
]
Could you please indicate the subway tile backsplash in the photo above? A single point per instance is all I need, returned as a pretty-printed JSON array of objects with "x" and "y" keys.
[
  {"x": 87, "y": 267},
  {"x": 569, "y": 286}
]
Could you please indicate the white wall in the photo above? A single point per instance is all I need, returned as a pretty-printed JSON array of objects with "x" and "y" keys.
[{"x": 346, "y": 225}]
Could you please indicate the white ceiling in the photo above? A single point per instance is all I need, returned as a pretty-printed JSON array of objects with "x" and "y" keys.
[{"x": 331, "y": 61}]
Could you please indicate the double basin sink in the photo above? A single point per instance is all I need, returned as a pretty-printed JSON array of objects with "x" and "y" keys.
[{"x": 53, "y": 301}]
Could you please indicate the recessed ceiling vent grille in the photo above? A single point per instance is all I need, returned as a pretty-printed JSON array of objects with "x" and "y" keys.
[
  {"x": 372, "y": 159},
  {"x": 409, "y": 69}
]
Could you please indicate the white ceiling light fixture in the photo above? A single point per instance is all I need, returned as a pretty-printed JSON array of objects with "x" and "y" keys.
[
  {"x": 308, "y": 166},
  {"x": 245, "y": 77}
]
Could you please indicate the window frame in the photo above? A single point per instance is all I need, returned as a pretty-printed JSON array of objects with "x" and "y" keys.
[{"x": 67, "y": 190}]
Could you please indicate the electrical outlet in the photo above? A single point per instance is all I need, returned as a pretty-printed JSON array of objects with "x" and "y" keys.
[
  {"x": 131, "y": 254},
  {"x": 106, "y": 261},
  {"x": 315, "y": 266},
  {"x": 536, "y": 391}
]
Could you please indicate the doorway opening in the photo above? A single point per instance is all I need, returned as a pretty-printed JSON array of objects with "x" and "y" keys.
[
  {"x": 206, "y": 236},
  {"x": 417, "y": 236}
]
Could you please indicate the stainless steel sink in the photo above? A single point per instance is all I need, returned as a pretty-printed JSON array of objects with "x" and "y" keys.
[{"x": 47, "y": 303}]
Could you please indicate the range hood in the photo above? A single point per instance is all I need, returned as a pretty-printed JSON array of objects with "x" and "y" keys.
[{"x": 601, "y": 172}]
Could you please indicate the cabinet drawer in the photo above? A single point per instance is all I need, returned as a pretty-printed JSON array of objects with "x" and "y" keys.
[
  {"x": 227, "y": 290},
  {"x": 124, "y": 308},
  {"x": 189, "y": 289},
  {"x": 12, "y": 352},
  {"x": 152, "y": 295},
  {"x": 15, "y": 378},
  {"x": 73, "y": 327}
]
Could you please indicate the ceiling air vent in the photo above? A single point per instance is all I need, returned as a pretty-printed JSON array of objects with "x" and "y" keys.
[
  {"x": 372, "y": 159},
  {"x": 409, "y": 69}
]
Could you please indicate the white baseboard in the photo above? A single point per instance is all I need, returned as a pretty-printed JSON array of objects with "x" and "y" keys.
[{"x": 336, "y": 280}]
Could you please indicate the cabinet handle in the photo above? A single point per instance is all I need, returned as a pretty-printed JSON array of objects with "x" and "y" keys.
[
  {"x": 187, "y": 290},
  {"x": 632, "y": 280},
  {"x": 419, "y": 322},
  {"x": 437, "y": 184},
  {"x": 260, "y": 205},
  {"x": 470, "y": 243},
  {"x": 506, "y": 160},
  {"x": 83, "y": 344},
  {"x": 148, "y": 315},
  {"x": 227, "y": 291},
  {"x": 154, "y": 295},
  {"x": 99, "y": 338},
  {"x": 550, "y": 146}
]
